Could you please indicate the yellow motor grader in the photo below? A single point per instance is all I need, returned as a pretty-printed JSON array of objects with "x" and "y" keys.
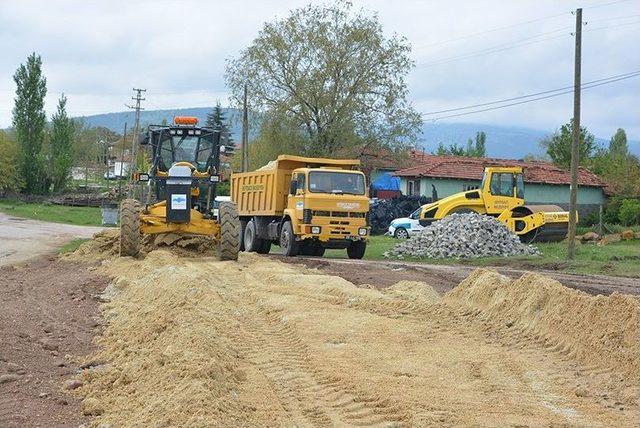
[
  {"x": 184, "y": 173},
  {"x": 501, "y": 195}
]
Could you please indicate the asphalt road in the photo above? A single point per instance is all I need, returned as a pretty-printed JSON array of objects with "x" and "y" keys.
[{"x": 22, "y": 239}]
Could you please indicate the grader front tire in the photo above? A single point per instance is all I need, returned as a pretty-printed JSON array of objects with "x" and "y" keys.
[
  {"x": 229, "y": 243},
  {"x": 130, "y": 228}
]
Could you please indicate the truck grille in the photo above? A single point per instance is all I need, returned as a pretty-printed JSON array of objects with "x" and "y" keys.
[{"x": 339, "y": 214}]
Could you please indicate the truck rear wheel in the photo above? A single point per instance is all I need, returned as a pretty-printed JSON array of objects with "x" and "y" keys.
[
  {"x": 130, "y": 227},
  {"x": 249, "y": 238},
  {"x": 243, "y": 227},
  {"x": 264, "y": 247},
  {"x": 228, "y": 244},
  {"x": 356, "y": 249},
  {"x": 288, "y": 243}
]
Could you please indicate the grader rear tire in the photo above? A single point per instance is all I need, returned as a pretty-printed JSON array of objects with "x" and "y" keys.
[
  {"x": 130, "y": 228},
  {"x": 229, "y": 243}
]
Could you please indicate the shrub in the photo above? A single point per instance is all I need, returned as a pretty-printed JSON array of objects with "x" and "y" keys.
[{"x": 630, "y": 212}]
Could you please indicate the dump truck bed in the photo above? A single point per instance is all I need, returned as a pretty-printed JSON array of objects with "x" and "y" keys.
[{"x": 264, "y": 192}]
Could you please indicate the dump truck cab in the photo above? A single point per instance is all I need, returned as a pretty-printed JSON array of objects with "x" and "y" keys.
[
  {"x": 502, "y": 195},
  {"x": 328, "y": 204}
]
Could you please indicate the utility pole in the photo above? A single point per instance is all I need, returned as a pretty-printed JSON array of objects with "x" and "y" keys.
[
  {"x": 245, "y": 133},
  {"x": 136, "y": 129},
  {"x": 575, "y": 146},
  {"x": 120, "y": 176}
]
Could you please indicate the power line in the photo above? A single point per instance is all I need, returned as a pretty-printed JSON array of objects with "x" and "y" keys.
[
  {"x": 529, "y": 95},
  {"x": 604, "y": 4},
  {"x": 532, "y": 99}
]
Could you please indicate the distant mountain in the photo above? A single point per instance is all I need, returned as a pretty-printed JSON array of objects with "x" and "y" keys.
[{"x": 502, "y": 141}]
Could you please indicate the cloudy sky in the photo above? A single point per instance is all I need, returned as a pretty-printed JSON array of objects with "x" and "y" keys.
[{"x": 466, "y": 53}]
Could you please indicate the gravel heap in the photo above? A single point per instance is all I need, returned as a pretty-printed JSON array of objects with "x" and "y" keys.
[{"x": 463, "y": 236}]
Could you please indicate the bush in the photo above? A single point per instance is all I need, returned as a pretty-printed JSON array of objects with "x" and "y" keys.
[
  {"x": 612, "y": 211},
  {"x": 630, "y": 212}
]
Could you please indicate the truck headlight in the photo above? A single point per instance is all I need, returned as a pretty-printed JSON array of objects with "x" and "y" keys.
[
  {"x": 315, "y": 229},
  {"x": 362, "y": 231}
]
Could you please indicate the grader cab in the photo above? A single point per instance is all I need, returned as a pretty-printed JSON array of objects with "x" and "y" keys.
[{"x": 182, "y": 180}]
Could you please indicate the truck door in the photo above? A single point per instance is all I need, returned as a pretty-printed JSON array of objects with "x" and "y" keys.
[
  {"x": 501, "y": 187},
  {"x": 298, "y": 188}
]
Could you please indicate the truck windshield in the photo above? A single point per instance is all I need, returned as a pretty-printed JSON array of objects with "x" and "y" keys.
[
  {"x": 336, "y": 182},
  {"x": 187, "y": 148}
]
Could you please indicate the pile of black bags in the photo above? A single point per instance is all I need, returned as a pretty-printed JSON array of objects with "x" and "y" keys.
[{"x": 382, "y": 212}]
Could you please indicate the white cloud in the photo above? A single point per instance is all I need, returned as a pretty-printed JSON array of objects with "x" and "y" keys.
[{"x": 97, "y": 51}]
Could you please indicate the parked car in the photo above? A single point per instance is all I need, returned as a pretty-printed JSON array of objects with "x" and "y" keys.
[
  {"x": 216, "y": 203},
  {"x": 404, "y": 227},
  {"x": 110, "y": 175}
]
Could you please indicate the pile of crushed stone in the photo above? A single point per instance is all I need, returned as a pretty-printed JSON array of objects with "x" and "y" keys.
[
  {"x": 599, "y": 331},
  {"x": 463, "y": 236},
  {"x": 107, "y": 243}
]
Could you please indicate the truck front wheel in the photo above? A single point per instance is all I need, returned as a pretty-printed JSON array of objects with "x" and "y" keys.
[
  {"x": 356, "y": 249},
  {"x": 288, "y": 242}
]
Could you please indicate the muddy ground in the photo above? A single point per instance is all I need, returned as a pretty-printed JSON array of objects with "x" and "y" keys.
[
  {"x": 48, "y": 319},
  {"x": 444, "y": 278}
]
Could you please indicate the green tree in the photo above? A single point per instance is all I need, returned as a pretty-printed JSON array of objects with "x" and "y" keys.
[
  {"x": 618, "y": 144},
  {"x": 61, "y": 145},
  {"x": 10, "y": 179},
  {"x": 29, "y": 121},
  {"x": 558, "y": 147},
  {"x": 475, "y": 148},
  {"x": 331, "y": 73},
  {"x": 216, "y": 118},
  {"x": 630, "y": 212},
  {"x": 480, "y": 149}
]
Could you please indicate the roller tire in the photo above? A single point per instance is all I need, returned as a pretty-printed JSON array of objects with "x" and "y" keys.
[
  {"x": 356, "y": 249},
  {"x": 130, "y": 227},
  {"x": 228, "y": 245},
  {"x": 288, "y": 244}
]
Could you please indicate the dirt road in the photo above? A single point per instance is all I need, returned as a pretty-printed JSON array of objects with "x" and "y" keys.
[
  {"x": 443, "y": 278},
  {"x": 22, "y": 239},
  {"x": 193, "y": 341}
]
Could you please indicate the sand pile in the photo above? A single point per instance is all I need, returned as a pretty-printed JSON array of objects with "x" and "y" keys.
[
  {"x": 167, "y": 363},
  {"x": 107, "y": 243},
  {"x": 598, "y": 331}
]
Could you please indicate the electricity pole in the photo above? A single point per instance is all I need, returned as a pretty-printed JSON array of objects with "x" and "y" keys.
[
  {"x": 575, "y": 146},
  {"x": 245, "y": 133},
  {"x": 136, "y": 128},
  {"x": 119, "y": 177}
]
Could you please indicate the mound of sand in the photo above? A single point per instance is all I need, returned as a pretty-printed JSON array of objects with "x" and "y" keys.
[
  {"x": 414, "y": 291},
  {"x": 599, "y": 331},
  {"x": 107, "y": 243}
]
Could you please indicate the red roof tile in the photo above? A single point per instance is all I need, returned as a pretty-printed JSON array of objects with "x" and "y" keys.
[{"x": 467, "y": 168}]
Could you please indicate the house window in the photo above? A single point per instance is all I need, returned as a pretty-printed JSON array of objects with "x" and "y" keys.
[{"x": 413, "y": 187}]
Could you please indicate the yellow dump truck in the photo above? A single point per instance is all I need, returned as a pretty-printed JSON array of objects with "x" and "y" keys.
[{"x": 304, "y": 205}]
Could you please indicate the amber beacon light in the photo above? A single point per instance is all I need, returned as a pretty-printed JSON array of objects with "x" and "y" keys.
[{"x": 185, "y": 120}]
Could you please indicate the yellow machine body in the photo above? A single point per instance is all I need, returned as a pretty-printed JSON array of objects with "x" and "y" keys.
[
  {"x": 501, "y": 195},
  {"x": 154, "y": 220}
]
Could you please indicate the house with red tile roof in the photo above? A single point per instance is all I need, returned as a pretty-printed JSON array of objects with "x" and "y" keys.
[{"x": 545, "y": 183}]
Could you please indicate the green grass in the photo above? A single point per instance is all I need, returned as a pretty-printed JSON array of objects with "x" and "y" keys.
[
  {"x": 618, "y": 259},
  {"x": 84, "y": 216},
  {"x": 72, "y": 245}
]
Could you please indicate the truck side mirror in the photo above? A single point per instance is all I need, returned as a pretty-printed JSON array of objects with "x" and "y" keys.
[{"x": 293, "y": 187}]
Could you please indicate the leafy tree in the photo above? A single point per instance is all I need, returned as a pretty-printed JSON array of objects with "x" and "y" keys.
[
  {"x": 630, "y": 212},
  {"x": 475, "y": 149},
  {"x": 216, "y": 118},
  {"x": 29, "y": 121},
  {"x": 330, "y": 73},
  {"x": 558, "y": 147},
  {"x": 10, "y": 179},
  {"x": 61, "y": 145},
  {"x": 618, "y": 144}
]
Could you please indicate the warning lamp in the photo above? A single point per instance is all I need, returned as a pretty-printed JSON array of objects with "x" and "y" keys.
[{"x": 185, "y": 120}]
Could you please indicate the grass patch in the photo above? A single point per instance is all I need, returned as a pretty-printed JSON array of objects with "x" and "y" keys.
[
  {"x": 83, "y": 216},
  {"x": 617, "y": 259},
  {"x": 72, "y": 245}
]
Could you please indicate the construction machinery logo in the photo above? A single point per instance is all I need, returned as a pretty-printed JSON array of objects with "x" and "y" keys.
[{"x": 179, "y": 202}]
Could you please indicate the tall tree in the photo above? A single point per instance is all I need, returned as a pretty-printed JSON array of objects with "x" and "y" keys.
[
  {"x": 481, "y": 147},
  {"x": 216, "y": 118},
  {"x": 558, "y": 147},
  {"x": 10, "y": 179},
  {"x": 618, "y": 143},
  {"x": 61, "y": 145},
  {"x": 475, "y": 149},
  {"x": 29, "y": 121},
  {"x": 330, "y": 71}
]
